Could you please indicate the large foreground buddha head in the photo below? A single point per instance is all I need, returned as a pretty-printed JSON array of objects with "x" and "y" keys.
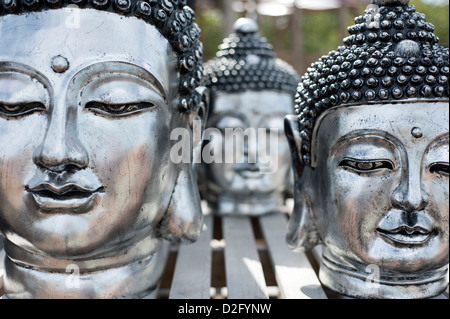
[
  {"x": 370, "y": 144},
  {"x": 89, "y": 94}
]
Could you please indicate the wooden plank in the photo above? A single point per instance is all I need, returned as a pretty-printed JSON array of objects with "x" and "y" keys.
[
  {"x": 295, "y": 276},
  {"x": 192, "y": 275},
  {"x": 2, "y": 270},
  {"x": 244, "y": 272}
]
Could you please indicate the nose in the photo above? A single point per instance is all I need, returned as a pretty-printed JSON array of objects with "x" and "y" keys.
[
  {"x": 250, "y": 149},
  {"x": 410, "y": 195},
  {"x": 61, "y": 148}
]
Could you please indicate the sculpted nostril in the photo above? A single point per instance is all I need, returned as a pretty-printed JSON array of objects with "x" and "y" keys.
[
  {"x": 61, "y": 154},
  {"x": 406, "y": 199}
]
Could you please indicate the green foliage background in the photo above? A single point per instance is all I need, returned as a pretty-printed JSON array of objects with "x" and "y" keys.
[{"x": 320, "y": 29}]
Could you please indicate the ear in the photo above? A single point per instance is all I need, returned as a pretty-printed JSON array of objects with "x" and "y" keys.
[
  {"x": 291, "y": 128},
  {"x": 302, "y": 232},
  {"x": 197, "y": 121},
  {"x": 202, "y": 115},
  {"x": 183, "y": 220}
]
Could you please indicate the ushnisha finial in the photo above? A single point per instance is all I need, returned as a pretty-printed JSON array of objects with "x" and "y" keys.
[
  {"x": 245, "y": 25},
  {"x": 390, "y": 2},
  {"x": 408, "y": 49}
]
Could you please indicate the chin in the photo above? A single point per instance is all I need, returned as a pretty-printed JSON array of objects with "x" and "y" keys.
[{"x": 409, "y": 260}]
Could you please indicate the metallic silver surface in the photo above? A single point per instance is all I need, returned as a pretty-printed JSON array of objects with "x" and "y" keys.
[
  {"x": 370, "y": 146},
  {"x": 87, "y": 188},
  {"x": 240, "y": 185},
  {"x": 378, "y": 196},
  {"x": 251, "y": 92}
]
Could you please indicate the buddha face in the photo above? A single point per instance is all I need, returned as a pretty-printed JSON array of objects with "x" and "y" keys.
[
  {"x": 257, "y": 168},
  {"x": 85, "y": 120},
  {"x": 379, "y": 185}
]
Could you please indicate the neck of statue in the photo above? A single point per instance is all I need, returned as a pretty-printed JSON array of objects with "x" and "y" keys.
[
  {"x": 253, "y": 205},
  {"x": 358, "y": 281},
  {"x": 131, "y": 271}
]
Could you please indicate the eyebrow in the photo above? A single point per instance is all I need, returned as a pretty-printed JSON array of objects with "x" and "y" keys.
[
  {"x": 439, "y": 140},
  {"x": 139, "y": 72},
  {"x": 20, "y": 68},
  {"x": 381, "y": 135}
]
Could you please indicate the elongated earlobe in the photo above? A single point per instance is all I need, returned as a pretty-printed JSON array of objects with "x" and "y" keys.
[
  {"x": 183, "y": 220},
  {"x": 302, "y": 232},
  {"x": 198, "y": 124},
  {"x": 291, "y": 127}
]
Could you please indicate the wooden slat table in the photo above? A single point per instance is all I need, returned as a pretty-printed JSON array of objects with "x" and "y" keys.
[
  {"x": 252, "y": 261},
  {"x": 244, "y": 272},
  {"x": 295, "y": 276},
  {"x": 194, "y": 260}
]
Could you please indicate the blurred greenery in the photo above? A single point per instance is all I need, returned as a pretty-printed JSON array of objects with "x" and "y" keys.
[
  {"x": 438, "y": 16},
  {"x": 211, "y": 22},
  {"x": 320, "y": 29}
]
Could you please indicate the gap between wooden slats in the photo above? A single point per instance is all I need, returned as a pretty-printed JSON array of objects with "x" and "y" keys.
[
  {"x": 244, "y": 272},
  {"x": 295, "y": 275},
  {"x": 192, "y": 275}
]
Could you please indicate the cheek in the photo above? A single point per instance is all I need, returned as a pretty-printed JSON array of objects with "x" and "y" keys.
[
  {"x": 125, "y": 175},
  {"x": 16, "y": 155},
  {"x": 126, "y": 157},
  {"x": 438, "y": 193},
  {"x": 438, "y": 205},
  {"x": 360, "y": 202}
]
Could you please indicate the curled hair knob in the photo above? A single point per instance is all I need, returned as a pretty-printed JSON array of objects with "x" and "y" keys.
[{"x": 390, "y": 2}]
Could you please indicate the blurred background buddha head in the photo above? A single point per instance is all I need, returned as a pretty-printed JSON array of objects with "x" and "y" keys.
[{"x": 251, "y": 91}]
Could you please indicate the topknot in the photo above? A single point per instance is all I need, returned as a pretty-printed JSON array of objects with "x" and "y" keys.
[{"x": 246, "y": 61}]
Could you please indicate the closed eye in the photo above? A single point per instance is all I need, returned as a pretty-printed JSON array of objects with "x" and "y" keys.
[
  {"x": 439, "y": 168},
  {"x": 21, "y": 109},
  {"x": 366, "y": 166},
  {"x": 108, "y": 109}
]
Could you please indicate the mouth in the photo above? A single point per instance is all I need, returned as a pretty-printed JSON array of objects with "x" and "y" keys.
[
  {"x": 68, "y": 198},
  {"x": 404, "y": 235},
  {"x": 249, "y": 171}
]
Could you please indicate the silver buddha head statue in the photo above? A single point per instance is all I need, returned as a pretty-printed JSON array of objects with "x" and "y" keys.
[
  {"x": 251, "y": 91},
  {"x": 89, "y": 93},
  {"x": 370, "y": 146}
]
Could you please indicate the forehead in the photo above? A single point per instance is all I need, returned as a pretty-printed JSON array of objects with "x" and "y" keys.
[
  {"x": 396, "y": 120},
  {"x": 253, "y": 102},
  {"x": 84, "y": 36}
]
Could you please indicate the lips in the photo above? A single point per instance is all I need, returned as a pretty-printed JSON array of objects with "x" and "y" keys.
[
  {"x": 407, "y": 228},
  {"x": 248, "y": 171},
  {"x": 407, "y": 235},
  {"x": 71, "y": 198}
]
